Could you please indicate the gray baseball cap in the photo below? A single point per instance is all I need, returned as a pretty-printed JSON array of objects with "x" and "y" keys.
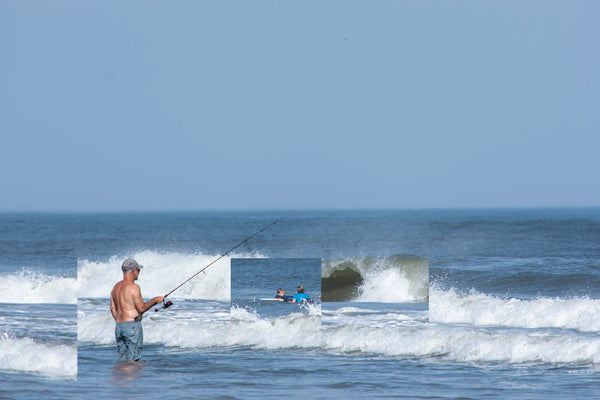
[{"x": 130, "y": 264}]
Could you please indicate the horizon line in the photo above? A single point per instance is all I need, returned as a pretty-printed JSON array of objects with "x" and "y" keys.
[{"x": 261, "y": 210}]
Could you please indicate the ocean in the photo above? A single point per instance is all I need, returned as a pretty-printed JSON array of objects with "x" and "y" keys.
[{"x": 469, "y": 304}]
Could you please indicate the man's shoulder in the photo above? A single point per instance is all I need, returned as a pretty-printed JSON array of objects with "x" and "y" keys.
[
  {"x": 118, "y": 286},
  {"x": 131, "y": 286},
  {"x": 124, "y": 286}
]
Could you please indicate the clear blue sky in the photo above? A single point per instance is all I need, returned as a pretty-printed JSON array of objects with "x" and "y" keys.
[{"x": 146, "y": 105}]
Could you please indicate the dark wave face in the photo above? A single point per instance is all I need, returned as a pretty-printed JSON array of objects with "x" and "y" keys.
[{"x": 342, "y": 284}]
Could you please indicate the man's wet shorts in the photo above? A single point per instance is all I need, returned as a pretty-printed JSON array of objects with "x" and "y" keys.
[{"x": 130, "y": 338}]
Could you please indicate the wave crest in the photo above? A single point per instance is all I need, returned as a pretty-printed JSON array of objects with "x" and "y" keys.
[
  {"x": 30, "y": 287},
  {"x": 162, "y": 273},
  {"x": 26, "y": 355},
  {"x": 474, "y": 308}
]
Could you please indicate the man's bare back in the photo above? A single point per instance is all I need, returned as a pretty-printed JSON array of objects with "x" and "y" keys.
[{"x": 126, "y": 302}]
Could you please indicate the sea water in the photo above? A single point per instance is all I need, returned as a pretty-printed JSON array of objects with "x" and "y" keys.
[
  {"x": 254, "y": 284},
  {"x": 511, "y": 311}
]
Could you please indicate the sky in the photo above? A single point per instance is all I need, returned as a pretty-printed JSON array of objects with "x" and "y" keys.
[{"x": 243, "y": 105}]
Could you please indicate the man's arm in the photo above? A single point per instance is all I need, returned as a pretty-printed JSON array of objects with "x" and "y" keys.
[
  {"x": 113, "y": 307},
  {"x": 138, "y": 301}
]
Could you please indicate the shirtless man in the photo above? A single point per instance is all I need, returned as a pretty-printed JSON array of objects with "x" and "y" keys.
[{"x": 127, "y": 307}]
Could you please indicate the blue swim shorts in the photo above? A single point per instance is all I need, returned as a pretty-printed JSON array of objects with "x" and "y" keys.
[{"x": 130, "y": 338}]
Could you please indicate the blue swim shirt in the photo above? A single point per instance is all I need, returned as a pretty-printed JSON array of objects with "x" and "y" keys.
[{"x": 301, "y": 297}]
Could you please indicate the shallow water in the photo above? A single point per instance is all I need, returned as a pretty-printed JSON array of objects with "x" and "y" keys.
[{"x": 513, "y": 307}]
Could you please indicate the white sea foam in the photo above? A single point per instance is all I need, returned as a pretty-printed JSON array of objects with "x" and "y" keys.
[
  {"x": 26, "y": 355},
  {"x": 349, "y": 331},
  {"x": 465, "y": 344},
  {"x": 97, "y": 328},
  {"x": 30, "y": 287},
  {"x": 387, "y": 286},
  {"x": 474, "y": 308},
  {"x": 162, "y": 273},
  {"x": 247, "y": 329},
  {"x": 354, "y": 316}
]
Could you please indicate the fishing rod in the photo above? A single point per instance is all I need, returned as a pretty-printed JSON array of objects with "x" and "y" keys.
[{"x": 169, "y": 303}]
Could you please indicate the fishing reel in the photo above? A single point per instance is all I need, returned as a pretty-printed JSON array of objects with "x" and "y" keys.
[{"x": 166, "y": 304}]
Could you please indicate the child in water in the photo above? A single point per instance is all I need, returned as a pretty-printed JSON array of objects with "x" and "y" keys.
[
  {"x": 281, "y": 296},
  {"x": 300, "y": 296}
]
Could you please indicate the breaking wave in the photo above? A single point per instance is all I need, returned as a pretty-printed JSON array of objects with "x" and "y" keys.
[
  {"x": 28, "y": 356},
  {"x": 393, "y": 279},
  {"x": 31, "y": 287},
  {"x": 162, "y": 273},
  {"x": 479, "y": 309}
]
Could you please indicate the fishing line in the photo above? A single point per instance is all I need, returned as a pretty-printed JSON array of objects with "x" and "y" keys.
[{"x": 169, "y": 303}]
